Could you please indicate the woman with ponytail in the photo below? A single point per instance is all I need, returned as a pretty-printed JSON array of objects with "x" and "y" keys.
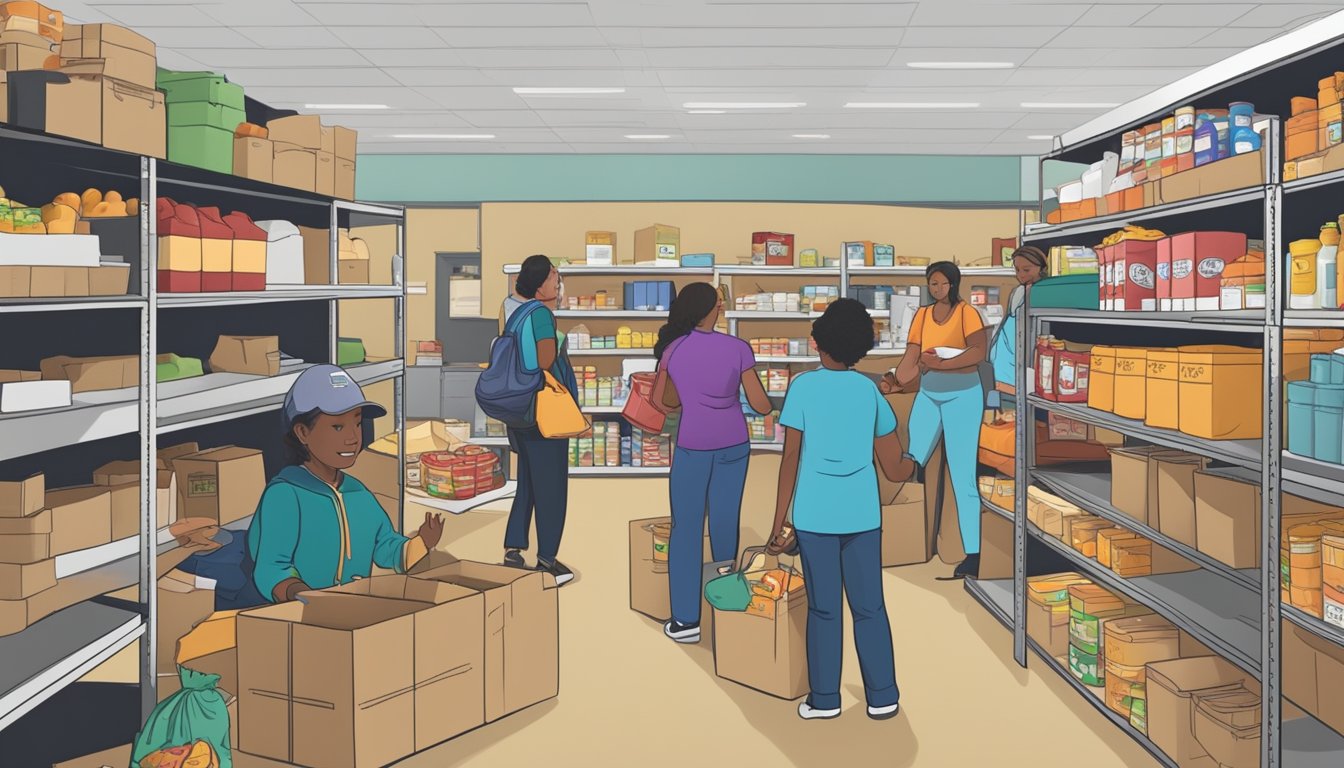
[{"x": 702, "y": 372}]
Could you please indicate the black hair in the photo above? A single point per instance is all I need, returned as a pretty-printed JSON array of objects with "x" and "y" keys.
[
  {"x": 948, "y": 270},
  {"x": 534, "y": 271},
  {"x": 845, "y": 332},
  {"x": 1035, "y": 256},
  {"x": 692, "y": 305},
  {"x": 298, "y": 452}
]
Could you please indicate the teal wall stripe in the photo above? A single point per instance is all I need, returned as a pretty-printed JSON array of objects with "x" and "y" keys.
[{"x": 787, "y": 178}]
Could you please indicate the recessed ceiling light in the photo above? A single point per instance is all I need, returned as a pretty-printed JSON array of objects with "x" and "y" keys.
[
  {"x": 1041, "y": 137},
  {"x": 345, "y": 106},
  {"x": 706, "y": 111},
  {"x": 960, "y": 65},
  {"x": 647, "y": 136},
  {"x": 1068, "y": 105},
  {"x": 443, "y": 135},
  {"x": 743, "y": 104},
  {"x": 912, "y": 105},
  {"x": 811, "y": 135},
  {"x": 565, "y": 91}
]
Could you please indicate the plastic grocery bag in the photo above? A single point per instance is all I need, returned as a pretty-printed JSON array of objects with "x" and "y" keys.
[
  {"x": 198, "y": 712},
  {"x": 731, "y": 592}
]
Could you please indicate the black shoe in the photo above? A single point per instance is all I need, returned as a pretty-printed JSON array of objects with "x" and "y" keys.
[
  {"x": 970, "y": 567},
  {"x": 514, "y": 559},
  {"x": 557, "y": 569},
  {"x": 682, "y": 633}
]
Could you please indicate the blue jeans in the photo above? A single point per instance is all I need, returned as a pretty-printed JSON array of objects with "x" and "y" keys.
[
  {"x": 952, "y": 406},
  {"x": 543, "y": 486},
  {"x": 702, "y": 481},
  {"x": 852, "y": 563}
]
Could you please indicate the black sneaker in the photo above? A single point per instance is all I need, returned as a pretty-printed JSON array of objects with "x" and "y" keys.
[
  {"x": 514, "y": 559},
  {"x": 682, "y": 633},
  {"x": 557, "y": 569},
  {"x": 968, "y": 568}
]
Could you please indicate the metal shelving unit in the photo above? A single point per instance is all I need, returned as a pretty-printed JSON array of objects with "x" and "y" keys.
[
  {"x": 1235, "y": 612},
  {"x": 82, "y": 628},
  {"x": 996, "y": 596}
]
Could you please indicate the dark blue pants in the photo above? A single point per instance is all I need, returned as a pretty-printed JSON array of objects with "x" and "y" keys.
[
  {"x": 851, "y": 563},
  {"x": 543, "y": 485},
  {"x": 700, "y": 482}
]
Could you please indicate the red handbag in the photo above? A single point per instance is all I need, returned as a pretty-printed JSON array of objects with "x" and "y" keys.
[{"x": 639, "y": 409}]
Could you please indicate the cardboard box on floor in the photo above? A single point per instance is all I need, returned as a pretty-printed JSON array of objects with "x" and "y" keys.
[
  {"x": 907, "y": 536},
  {"x": 361, "y": 675},
  {"x": 222, "y": 484},
  {"x": 996, "y": 547},
  {"x": 522, "y": 650},
  {"x": 768, "y": 654},
  {"x": 649, "y": 593}
]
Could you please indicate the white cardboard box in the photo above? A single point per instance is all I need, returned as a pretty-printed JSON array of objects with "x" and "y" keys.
[{"x": 21, "y": 396}]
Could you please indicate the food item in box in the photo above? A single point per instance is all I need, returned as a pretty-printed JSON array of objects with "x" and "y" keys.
[
  {"x": 1084, "y": 536},
  {"x": 196, "y": 755},
  {"x": 1107, "y": 538}
]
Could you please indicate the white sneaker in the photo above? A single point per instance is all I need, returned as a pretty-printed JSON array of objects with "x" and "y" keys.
[
  {"x": 682, "y": 633},
  {"x": 884, "y": 713},
  {"x": 806, "y": 712}
]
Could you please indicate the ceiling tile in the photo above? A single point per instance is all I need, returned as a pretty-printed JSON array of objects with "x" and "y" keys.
[
  {"x": 473, "y": 98},
  {"x": 387, "y": 37},
  {"x": 502, "y": 118},
  {"x": 253, "y": 13},
  {"x": 147, "y": 16},
  {"x": 764, "y": 77},
  {"x": 405, "y": 121},
  {"x": 1113, "y": 15},
  {"x": 752, "y": 39},
  {"x": 437, "y": 76},
  {"x": 517, "y": 37},
  {"x": 1177, "y": 15},
  {"x": 193, "y": 39},
  {"x": 539, "y": 58},
  {"x": 1149, "y": 76},
  {"x": 414, "y": 57},
  {"x": 1148, "y": 38},
  {"x": 801, "y": 15},
  {"x": 505, "y": 14},
  {"x": 398, "y": 98},
  {"x": 1284, "y": 14},
  {"x": 245, "y": 58},
  {"x": 291, "y": 37},
  {"x": 846, "y": 58},
  {"x": 955, "y": 14},
  {"x": 960, "y": 39},
  {"x": 1166, "y": 57},
  {"x": 312, "y": 77}
]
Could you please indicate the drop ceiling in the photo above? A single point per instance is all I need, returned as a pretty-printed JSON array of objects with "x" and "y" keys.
[{"x": 451, "y": 67}]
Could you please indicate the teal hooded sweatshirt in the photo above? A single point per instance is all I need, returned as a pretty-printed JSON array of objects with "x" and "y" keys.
[{"x": 303, "y": 528}]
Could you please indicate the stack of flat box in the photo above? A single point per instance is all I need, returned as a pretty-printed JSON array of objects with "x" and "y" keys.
[{"x": 204, "y": 110}]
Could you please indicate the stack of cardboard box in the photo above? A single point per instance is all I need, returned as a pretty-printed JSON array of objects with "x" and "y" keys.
[
  {"x": 313, "y": 157},
  {"x": 204, "y": 110}
]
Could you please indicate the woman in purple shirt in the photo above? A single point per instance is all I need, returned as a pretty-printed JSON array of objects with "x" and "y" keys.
[{"x": 703, "y": 372}]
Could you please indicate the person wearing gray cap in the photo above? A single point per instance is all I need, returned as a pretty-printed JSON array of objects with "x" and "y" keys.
[{"x": 316, "y": 526}]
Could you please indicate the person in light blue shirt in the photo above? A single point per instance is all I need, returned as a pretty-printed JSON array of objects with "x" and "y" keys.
[
  {"x": 835, "y": 421},
  {"x": 1030, "y": 265}
]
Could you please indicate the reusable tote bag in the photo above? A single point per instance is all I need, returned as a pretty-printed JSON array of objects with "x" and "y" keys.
[
  {"x": 639, "y": 409},
  {"x": 557, "y": 413}
]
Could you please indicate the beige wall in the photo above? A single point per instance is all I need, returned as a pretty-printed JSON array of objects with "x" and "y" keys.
[{"x": 430, "y": 231}]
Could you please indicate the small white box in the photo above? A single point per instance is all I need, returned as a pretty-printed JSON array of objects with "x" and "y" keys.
[
  {"x": 21, "y": 396},
  {"x": 284, "y": 253}
]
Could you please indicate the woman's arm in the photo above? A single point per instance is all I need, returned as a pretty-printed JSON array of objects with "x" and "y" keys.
[
  {"x": 908, "y": 370},
  {"x": 976, "y": 349},
  {"x": 756, "y": 396},
  {"x": 896, "y": 465},
  {"x": 277, "y": 524},
  {"x": 665, "y": 397},
  {"x": 788, "y": 478}
]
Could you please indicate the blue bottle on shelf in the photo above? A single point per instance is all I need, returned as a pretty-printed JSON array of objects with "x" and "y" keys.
[
  {"x": 1206, "y": 141},
  {"x": 1328, "y": 424},
  {"x": 1301, "y": 418}
]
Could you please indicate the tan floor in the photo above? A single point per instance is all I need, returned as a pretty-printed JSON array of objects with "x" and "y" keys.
[{"x": 628, "y": 696}]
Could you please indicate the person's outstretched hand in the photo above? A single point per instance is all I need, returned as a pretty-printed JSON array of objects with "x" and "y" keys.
[
  {"x": 888, "y": 385},
  {"x": 432, "y": 530}
]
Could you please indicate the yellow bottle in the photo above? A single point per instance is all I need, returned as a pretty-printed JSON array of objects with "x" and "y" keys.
[{"x": 1303, "y": 286}]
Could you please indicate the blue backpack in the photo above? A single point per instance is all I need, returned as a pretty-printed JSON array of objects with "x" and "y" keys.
[{"x": 506, "y": 390}]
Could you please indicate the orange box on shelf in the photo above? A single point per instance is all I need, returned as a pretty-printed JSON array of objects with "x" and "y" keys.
[
  {"x": 1101, "y": 384},
  {"x": 1131, "y": 388},
  {"x": 1115, "y": 202},
  {"x": 1301, "y": 135},
  {"x": 1162, "y": 389},
  {"x": 1133, "y": 198},
  {"x": 1220, "y": 392}
]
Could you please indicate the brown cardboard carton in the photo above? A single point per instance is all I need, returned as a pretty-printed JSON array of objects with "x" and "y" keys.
[
  {"x": 21, "y": 498},
  {"x": 996, "y": 547},
  {"x": 522, "y": 651},
  {"x": 345, "y": 179},
  {"x": 658, "y": 242},
  {"x": 1172, "y": 686},
  {"x": 109, "y": 280},
  {"x": 1227, "y": 520},
  {"x": 117, "y": 473},
  {"x": 906, "y": 536},
  {"x": 294, "y": 166},
  {"x": 129, "y": 56},
  {"x": 1238, "y": 172},
  {"x": 346, "y": 143},
  {"x": 125, "y": 501},
  {"x": 1227, "y": 726},
  {"x": 1176, "y": 494},
  {"x": 353, "y": 272},
  {"x": 649, "y": 592},
  {"x": 165, "y": 456},
  {"x": 15, "y": 282},
  {"x": 36, "y": 523},
  {"x": 1313, "y": 674},
  {"x": 326, "y": 174},
  {"x": 254, "y": 159},
  {"x": 334, "y": 682},
  {"x": 25, "y": 549},
  {"x": 255, "y": 355},
  {"x": 182, "y": 606},
  {"x": 300, "y": 130},
  {"x": 765, "y": 654},
  {"x": 1048, "y": 610},
  {"x": 222, "y": 484},
  {"x": 90, "y": 374},
  {"x": 1133, "y": 488},
  {"x": 20, "y": 581},
  {"x": 110, "y": 112},
  {"x": 379, "y": 472},
  {"x": 449, "y": 653},
  {"x": 316, "y": 255},
  {"x": 58, "y": 281},
  {"x": 81, "y": 518}
]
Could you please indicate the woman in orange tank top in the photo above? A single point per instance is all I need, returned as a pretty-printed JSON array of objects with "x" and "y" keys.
[{"x": 947, "y": 342}]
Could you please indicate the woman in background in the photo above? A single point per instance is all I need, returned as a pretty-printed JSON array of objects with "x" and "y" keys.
[
  {"x": 1029, "y": 263},
  {"x": 543, "y": 463},
  {"x": 702, "y": 372},
  {"x": 946, "y": 345}
]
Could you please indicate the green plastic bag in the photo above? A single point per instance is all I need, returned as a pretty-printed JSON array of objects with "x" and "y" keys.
[
  {"x": 198, "y": 712},
  {"x": 731, "y": 591}
]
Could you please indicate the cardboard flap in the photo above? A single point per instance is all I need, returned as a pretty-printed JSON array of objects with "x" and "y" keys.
[{"x": 334, "y": 610}]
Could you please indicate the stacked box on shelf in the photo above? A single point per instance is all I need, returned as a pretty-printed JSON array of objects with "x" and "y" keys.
[
  {"x": 1130, "y": 645},
  {"x": 1090, "y": 608},
  {"x": 313, "y": 157},
  {"x": 204, "y": 110},
  {"x": 649, "y": 295}
]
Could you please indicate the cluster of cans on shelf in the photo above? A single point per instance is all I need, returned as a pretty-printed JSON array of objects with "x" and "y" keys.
[
  {"x": 775, "y": 380},
  {"x": 765, "y": 429},
  {"x": 782, "y": 347},
  {"x": 580, "y": 338},
  {"x": 599, "y": 391}
]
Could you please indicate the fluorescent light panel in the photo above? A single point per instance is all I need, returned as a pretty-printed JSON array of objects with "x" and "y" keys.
[
  {"x": 811, "y": 135},
  {"x": 960, "y": 65},
  {"x": 647, "y": 136},
  {"x": 345, "y": 106},
  {"x": 1040, "y": 137},
  {"x": 568, "y": 91},
  {"x": 743, "y": 104},
  {"x": 706, "y": 111},
  {"x": 1068, "y": 105},
  {"x": 912, "y": 105}
]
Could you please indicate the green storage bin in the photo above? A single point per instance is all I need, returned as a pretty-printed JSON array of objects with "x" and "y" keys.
[
  {"x": 172, "y": 367},
  {"x": 202, "y": 146},
  {"x": 181, "y": 114},
  {"x": 1067, "y": 292},
  {"x": 199, "y": 86},
  {"x": 350, "y": 351}
]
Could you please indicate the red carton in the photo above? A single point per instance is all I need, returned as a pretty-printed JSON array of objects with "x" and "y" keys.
[
  {"x": 1197, "y": 263},
  {"x": 1163, "y": 289},
  {"x": 1107, "y": 288},
  {"x": 1139, "y": 263},
  {"x": 776, "y": 247}
]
